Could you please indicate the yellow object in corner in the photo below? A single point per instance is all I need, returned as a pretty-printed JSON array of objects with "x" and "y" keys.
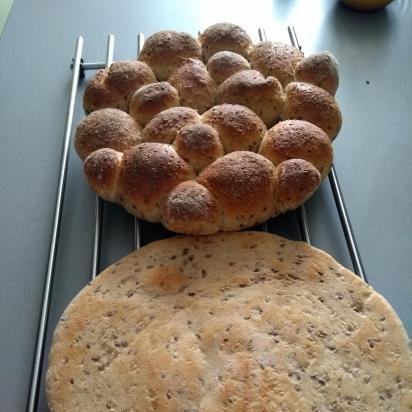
[{"x": 366, "y": 5}]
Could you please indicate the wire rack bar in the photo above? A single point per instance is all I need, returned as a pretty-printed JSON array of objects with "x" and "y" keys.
[
  {"x": 99, "y": 204},
  {"x": 45, "y": 307},
  {"x": 340, "y": 204},
  {"x": 93, "y": 66},
  {"x": 346, "y": 225}
]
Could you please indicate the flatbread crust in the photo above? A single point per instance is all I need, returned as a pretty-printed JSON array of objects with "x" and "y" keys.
[{"x": 230, "y": 322}]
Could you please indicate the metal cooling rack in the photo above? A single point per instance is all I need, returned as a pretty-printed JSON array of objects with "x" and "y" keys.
[{"x": 79, "y": 67}]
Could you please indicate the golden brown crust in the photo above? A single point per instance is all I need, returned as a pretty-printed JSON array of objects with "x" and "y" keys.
[
  {"x": 114, "y": 87},
  {"x": 251, "y": 89},
  {"x": 101, "y": 169},
  {"x": 319, "y": 69},
  {"x": 127, "y": 76},
  {"x": 98, "y": 96},
  {"x": 196, "y": 88},
  {"x": 224, "y": 36},
  {"x": 243, "y": 186},
  {"x": 199, "y": 145},
  {"x": 165, "y": 51},
  {"x": 191, "y": 208},
  {"x": 164, "y": 127},
  {"x": 239, "y": 127},
  {"x": 151, "y": 99},
  {"x": 275, "y": 59},
  {"x": 110, "y": 128},
  {"x": 296, "y": 180},
  {"x": 249, "y": 102},
  {"x": 224, "y": 64},
  {"x": 231, "y": 322},
  {"x": 298, "y": 139},
  {"x": 149, "y": 172},
  {"x": 305, "y": 101}
]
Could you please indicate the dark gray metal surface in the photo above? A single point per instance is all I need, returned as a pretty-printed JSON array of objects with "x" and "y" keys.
[{"x": 372, "y": 152}]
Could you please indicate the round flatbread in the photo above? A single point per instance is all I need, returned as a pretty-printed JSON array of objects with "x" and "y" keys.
[{"x": 230, "y": 322}]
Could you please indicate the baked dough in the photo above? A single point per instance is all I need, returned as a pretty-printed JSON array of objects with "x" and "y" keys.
[
  {"x": 112, "y": 128},
  {"x": 215, "y": 151},
  {"x": 308, "y": 102},
  {"x": 224, "y": 37},
  {"x": 224, "y": 64},
  {"x": 165, "y": 50},
  {"x": 114, "y": 86},
  {"x": 231, "y": 322},
  {"x": 208, "y": 98},
  {"x": 275, "y": 59},
  {"x": 319, "y": 69}
]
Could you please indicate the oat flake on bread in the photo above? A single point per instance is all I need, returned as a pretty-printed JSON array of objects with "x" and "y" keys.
[{"x": 230, "y": 322}]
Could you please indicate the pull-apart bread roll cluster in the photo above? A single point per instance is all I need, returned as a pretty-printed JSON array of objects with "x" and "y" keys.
[{"x": 210, "y": 134}]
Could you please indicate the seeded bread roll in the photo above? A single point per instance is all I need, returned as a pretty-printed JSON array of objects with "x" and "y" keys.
[
  {"x": 110, "y": 128},
  {"x": 243, "y": 185},
  {"x": 311, "y": 103},
  {"x": 149, "y": 172},
  {"x": 239, "y": 128},
  {"x": 165, "y": 51},
  {"x": 114, "y": 87},
  {"x": 275, "y": 59},
  {"x": 194, "y": 84},
  {"x": 101, "y": 169},
  {"x": 242, "y": 321},
  {"x": 99, "y": 96},
  {"x": 199, "y": 145},
  {"x": 130, "y": 178},
  {"x": 151, "y": 99},
  {"x": 298, "y": 139},
  {"x": 251, "y": 89},
  {"x": 224, "y": 64},
  {"x": 190, "y": 208},
  {"x": 224, "y": 37},
  {"x": 164, "y": 127},
  {"x": 319, "y": 69},
  {"x": 296, "y": 180}
]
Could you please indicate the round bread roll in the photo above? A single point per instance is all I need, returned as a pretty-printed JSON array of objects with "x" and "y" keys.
[
  {"x": 110, "y": 128},
  {"x": 224, "y": 37},
  {"x": 275, "y": 59},
  {"x": 311, "y": 103},
  {"x": 251, "y": 89},
  {"x": 165, "y": 50},
  {"x": 151, "y": 99},
  {"x": 298, "y": 139},
  {"x": 242, "y": 321},
  {"x": 164, "y": 127},
  {"x": 127, "y": 76},
  {"x": 319, "y": 69},
  {"x": 224, "y": 64},
  {"x": 99, "y": 96},
  {"x": 190, "y": 208},
  {"x": 243, "y": 185},
  {"x": 149, "y": 172},
  {"x": 114, "y": 87},
  {"x": 296, "y": 180},
  {"x": 199, "y": 145},
  {"x": 239, "y": 127},
  {"x": 196, "y": 88},
  {"x": 101, "y": 169}
]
